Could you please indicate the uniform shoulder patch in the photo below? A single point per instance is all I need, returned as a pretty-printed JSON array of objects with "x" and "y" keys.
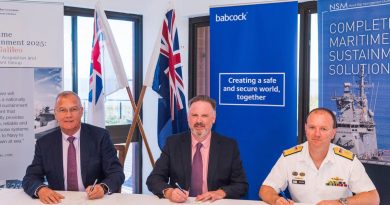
[
  {"x": 292, "y": 150},
  {"x": 343, "y": 152}
]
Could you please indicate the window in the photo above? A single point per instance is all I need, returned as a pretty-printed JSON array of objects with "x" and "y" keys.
[
  {"x": 68, "y": 81},
  {"x": 308, "y": 64},
  {"x": 78, "y": 34},
  {"x": 199, "y": 83},
  {"x": 313, "y": 62}
]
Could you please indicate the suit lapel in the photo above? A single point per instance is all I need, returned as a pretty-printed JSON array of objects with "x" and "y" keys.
[
  {"x": 213, "y": 159},
  {"x": 84, "y": 152},
  {"x": 186, "y": 158},
  {"x": 57, "y": 154}
]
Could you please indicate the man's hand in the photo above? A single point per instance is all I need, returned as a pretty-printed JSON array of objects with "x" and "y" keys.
[
  {"x": 48, "y": 196},
  {"x": 96, "y": 193},
  {"x": 176, "y": 195},
  {"x": 283, "y": 201},
  {"x": 329, "y": 202},
  {"x": 211, "y": 195}
]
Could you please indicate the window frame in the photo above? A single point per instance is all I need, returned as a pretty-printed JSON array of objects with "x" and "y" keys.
[
  {"x": 305, "y": 10},
  {"x": 194, "y": 24}
]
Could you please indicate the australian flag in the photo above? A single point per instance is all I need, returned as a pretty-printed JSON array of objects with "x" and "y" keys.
[{"x": 168, "y": 83}]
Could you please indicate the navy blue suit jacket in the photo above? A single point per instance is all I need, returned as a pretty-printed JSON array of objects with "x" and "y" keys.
[
  {"x": 225, "y": 170},
  {"x": 98, "y": 159}
]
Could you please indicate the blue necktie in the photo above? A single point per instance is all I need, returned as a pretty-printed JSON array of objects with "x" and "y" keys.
[
  {"x": 72, "y": 167},
  {"x": 197, "y": 172}
]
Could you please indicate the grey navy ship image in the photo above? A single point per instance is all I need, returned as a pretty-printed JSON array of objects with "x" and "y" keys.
[
  {"x": 44, "y": 122},
  {"x": 356, "y": 128}
]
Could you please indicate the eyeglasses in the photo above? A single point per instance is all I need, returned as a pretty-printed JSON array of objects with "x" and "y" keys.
[{"x": 72, "y": 110}]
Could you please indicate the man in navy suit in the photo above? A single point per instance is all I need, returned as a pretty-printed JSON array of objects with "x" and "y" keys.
[
  {"x": 222, "y": 174},
  {"x": 93, "y": 157}
]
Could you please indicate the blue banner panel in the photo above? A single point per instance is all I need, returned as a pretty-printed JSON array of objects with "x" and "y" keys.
[
  {"x": 254, "y": 80},
  {"x": 354, "y": 63}
]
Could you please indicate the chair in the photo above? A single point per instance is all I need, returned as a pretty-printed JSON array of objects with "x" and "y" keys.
[
  {"x": 118, "y": 135},
  {"x": 120, "y": 148}
]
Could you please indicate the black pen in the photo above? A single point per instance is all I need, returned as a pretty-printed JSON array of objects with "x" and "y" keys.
[
  {"x": 94, "y": 184},
  {"x": 178, "y": 186}
]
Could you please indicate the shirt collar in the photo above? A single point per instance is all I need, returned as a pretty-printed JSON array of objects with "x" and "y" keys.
[
  {"x": 305, "y": 156},
  {"x": 75, "y": 135},
  {"x": 205, "y": 143},
  {"x": 330, "y": 157}
]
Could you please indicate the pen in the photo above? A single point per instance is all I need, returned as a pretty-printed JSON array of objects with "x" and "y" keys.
[
  {"x": 283, "y": 194},
  {"x": 178, "y": 186},
  {"x": 94, "y": 184}
]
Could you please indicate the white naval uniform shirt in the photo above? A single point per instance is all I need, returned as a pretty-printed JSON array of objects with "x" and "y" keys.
[{"x": 335, "y": 179}]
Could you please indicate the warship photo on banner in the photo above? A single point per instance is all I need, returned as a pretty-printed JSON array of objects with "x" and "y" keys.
[
  {"x": 355, "y": 107},
  {"x": 48, "y": 83}
]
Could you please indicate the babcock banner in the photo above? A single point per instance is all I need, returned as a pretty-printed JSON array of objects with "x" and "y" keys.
[{"x": 254, "y": 81}]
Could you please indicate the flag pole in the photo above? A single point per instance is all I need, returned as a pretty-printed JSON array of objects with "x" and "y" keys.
[
  {"x": 121, "y": 77},
  {"x": 140, "y": 127},
  {"x": 135, "y": 117}
]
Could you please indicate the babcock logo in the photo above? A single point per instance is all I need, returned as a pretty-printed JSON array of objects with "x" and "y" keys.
[{"x": 233, "y": 17}]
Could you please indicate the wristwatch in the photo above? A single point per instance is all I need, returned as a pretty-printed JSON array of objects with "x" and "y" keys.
[{"x": 343, "y": 201}]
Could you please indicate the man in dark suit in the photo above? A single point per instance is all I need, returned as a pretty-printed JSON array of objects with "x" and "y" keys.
[
  {"x": 73, "y": 157},
  {"x": 203, "y": 162}
]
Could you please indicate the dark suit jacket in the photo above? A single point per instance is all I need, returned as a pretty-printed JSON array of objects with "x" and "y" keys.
[
  {"x": 98, "y": 159},
  {"x": 174, "y": 165}
]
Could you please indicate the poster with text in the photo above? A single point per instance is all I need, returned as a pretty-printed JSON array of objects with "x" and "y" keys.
[
  {"x": 354, "y": 64},
  {"x": 31, "y": 62},
  {"x": 253, "y": 78}
]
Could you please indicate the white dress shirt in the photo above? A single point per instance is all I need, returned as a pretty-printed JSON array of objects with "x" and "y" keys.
[{"x": 336, "y": 178}]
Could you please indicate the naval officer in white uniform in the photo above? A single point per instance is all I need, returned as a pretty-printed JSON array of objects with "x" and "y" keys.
[{"x": 318, "y": 171}]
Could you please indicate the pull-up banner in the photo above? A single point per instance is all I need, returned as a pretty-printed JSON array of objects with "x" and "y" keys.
[
  {"x": 354, "y": 56},
  {"x": 254, "y": 81},
  {"x": 31, "y": 61},
  {"x": 354, "y": 81}
]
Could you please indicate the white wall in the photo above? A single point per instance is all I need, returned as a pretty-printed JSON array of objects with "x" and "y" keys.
[{"x": 152, "y": 12}]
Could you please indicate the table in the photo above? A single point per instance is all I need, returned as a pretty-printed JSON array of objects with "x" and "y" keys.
[{"x": 18, "y": 197}]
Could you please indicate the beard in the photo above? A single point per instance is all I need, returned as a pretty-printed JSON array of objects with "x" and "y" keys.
[{"x": 200, "y": 134}]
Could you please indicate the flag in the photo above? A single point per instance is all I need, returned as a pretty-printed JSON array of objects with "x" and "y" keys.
[
  {"x": 164, "y": 76},
  {"x": 107, "y": 73}
]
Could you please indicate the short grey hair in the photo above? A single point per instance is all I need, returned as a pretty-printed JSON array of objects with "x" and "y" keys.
[{"x": 64, "y": 94}]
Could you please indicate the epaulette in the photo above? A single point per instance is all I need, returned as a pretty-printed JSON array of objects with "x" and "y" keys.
[
  {"x": 293, "y": 150},
  {"x": 343, "y": 152}
]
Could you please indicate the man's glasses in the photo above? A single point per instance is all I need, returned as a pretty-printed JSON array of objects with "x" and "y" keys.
[{"x": 72, "y": 110}]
